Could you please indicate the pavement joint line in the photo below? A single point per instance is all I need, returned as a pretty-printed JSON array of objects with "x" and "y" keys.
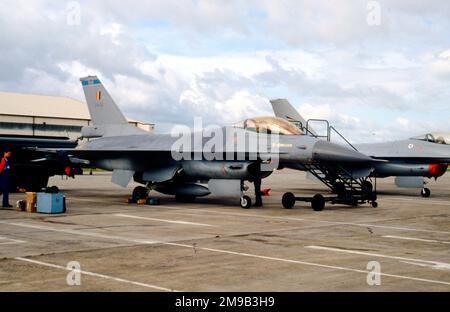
[
  {"x": 437, "y": 202},
  {"x": 117, "y": 279},
  {"x": 433, "y": 264},
  {"x": 162, "y": 220},
  {"x": 83, "y": 233},
  {"x": 416, "y": 239},
  {"x": 311, "y": 220},
  {"x": 11, "y": 241},
  {"x": 222, "y": 251}
]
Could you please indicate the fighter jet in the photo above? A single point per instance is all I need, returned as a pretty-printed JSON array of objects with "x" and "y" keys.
[
  {"x": 209, "y": 161},
  {"x": 409, "y": 161}
]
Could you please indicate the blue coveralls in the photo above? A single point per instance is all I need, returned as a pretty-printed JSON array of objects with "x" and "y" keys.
[{"x": 5, "y": 183}]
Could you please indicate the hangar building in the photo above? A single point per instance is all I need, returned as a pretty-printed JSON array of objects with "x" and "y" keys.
[{"x": 43, "y": 115}]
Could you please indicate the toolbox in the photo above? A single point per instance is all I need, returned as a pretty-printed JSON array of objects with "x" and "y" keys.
[{"x": 50, "y": 203}]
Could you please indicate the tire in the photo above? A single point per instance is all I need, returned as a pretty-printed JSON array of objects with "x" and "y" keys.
[
  {"x": 318, "y": 202},
  {"x": 425, "y": 192},
  {"x": 246, "y": 202},
  {"x": 288, "y": 200},
  {"x": 374, "y": 204},
  {"x": 139, "y": 192}
]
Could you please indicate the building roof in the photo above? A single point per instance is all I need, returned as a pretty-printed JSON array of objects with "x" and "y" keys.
[
  {"x": 21, "y": 104},
  {"x": 42, "y": 106}
]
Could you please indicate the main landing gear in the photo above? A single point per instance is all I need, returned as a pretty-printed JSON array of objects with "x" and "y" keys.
[{"x": 139, "y": 193}]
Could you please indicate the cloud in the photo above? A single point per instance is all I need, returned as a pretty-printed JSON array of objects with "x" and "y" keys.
[{"x": 167, "y": 62}]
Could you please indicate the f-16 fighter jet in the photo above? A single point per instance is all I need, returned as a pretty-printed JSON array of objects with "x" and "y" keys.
[
  {"x": 409, "y": 161},
  {"x": 211, "y": 160}
]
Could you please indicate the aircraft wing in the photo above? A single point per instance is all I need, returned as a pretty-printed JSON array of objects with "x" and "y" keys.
[{"x": 38, "y": 142}]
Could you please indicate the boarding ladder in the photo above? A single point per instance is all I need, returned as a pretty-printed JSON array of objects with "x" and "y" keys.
[{"x": 348, "y": 189}]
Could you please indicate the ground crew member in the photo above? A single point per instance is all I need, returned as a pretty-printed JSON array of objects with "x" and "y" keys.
[
  {"x": 5, "y": 176},
  {"x": 258, "y": 193}
]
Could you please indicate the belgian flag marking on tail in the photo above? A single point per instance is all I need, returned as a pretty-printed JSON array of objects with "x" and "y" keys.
[{"x": 98, "y": 95}]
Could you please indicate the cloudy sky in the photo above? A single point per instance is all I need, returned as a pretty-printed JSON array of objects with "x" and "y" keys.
[{"x": 377, "y": 70}]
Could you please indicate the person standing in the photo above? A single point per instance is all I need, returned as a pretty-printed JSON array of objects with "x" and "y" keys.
[
  {"x": 5, "y": 176},
  {"x": 258, "y": 194}
]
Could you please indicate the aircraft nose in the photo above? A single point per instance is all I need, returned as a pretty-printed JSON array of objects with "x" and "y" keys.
[{"x": 331, "y": 152}]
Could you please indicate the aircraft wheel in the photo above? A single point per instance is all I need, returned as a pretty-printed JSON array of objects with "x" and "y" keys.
[
  {"x": 318, "y": 202},
  {"x": 425, "y": 192},
  {"x": 367, "y": 186},
  {"x": 288, "y": 200},
  {"x": 374, "y": 204},
  {"x": 246, "y": 202},
  {"x": 139, "y": 192}
]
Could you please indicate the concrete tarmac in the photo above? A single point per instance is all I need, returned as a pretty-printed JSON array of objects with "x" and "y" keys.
[{"x": 214, "y": 245}]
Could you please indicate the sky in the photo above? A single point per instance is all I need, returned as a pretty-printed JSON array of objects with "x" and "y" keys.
[{"x": 378, "y": 70}]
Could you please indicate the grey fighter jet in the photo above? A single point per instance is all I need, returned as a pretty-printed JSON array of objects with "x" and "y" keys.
[
  {"x": 215, "y": 161},
  {"x": 409, "y": 161}
]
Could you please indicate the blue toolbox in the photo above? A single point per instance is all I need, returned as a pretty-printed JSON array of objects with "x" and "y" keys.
[{"x": 50, "y": 203}]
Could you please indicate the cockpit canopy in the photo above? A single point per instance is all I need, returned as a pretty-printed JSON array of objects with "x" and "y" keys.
[
  {"x": 269, "y": 125},
  {"x": 440, "y": 138}
]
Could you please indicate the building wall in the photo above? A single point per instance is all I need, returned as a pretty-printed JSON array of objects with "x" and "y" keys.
[
  {"x": 41, "y": 115},
  {"x": 41, "y": 126}
]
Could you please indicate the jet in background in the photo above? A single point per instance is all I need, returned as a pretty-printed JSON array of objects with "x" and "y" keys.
[
  {"x": 148, "y": 158},
  {"x": 31, "y": 169},
  {"x": 409, "y": 161}
]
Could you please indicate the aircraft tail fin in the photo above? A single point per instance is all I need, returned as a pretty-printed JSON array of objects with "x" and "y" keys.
[
  {"x": 106, "y": 116},
  {"x": 283, "y": 109},
  {"x": 101, "y": 106}
]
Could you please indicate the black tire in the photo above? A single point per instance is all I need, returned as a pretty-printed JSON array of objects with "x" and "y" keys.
[
  {"x": 139, "y": 192},
  {"x": 185, "y": 198},
  {"x": 318, "y": 202},
  {"x": 246, "y": 202},
  {"x": 374, "y": 204},
  {"x": 288, "y": 200},
  {"x": 425, "y": 192}
]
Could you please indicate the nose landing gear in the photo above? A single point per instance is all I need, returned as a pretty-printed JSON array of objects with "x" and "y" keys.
[
  {"x": 425, "y": 192},
  {"x": 246, "y": 202}
]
